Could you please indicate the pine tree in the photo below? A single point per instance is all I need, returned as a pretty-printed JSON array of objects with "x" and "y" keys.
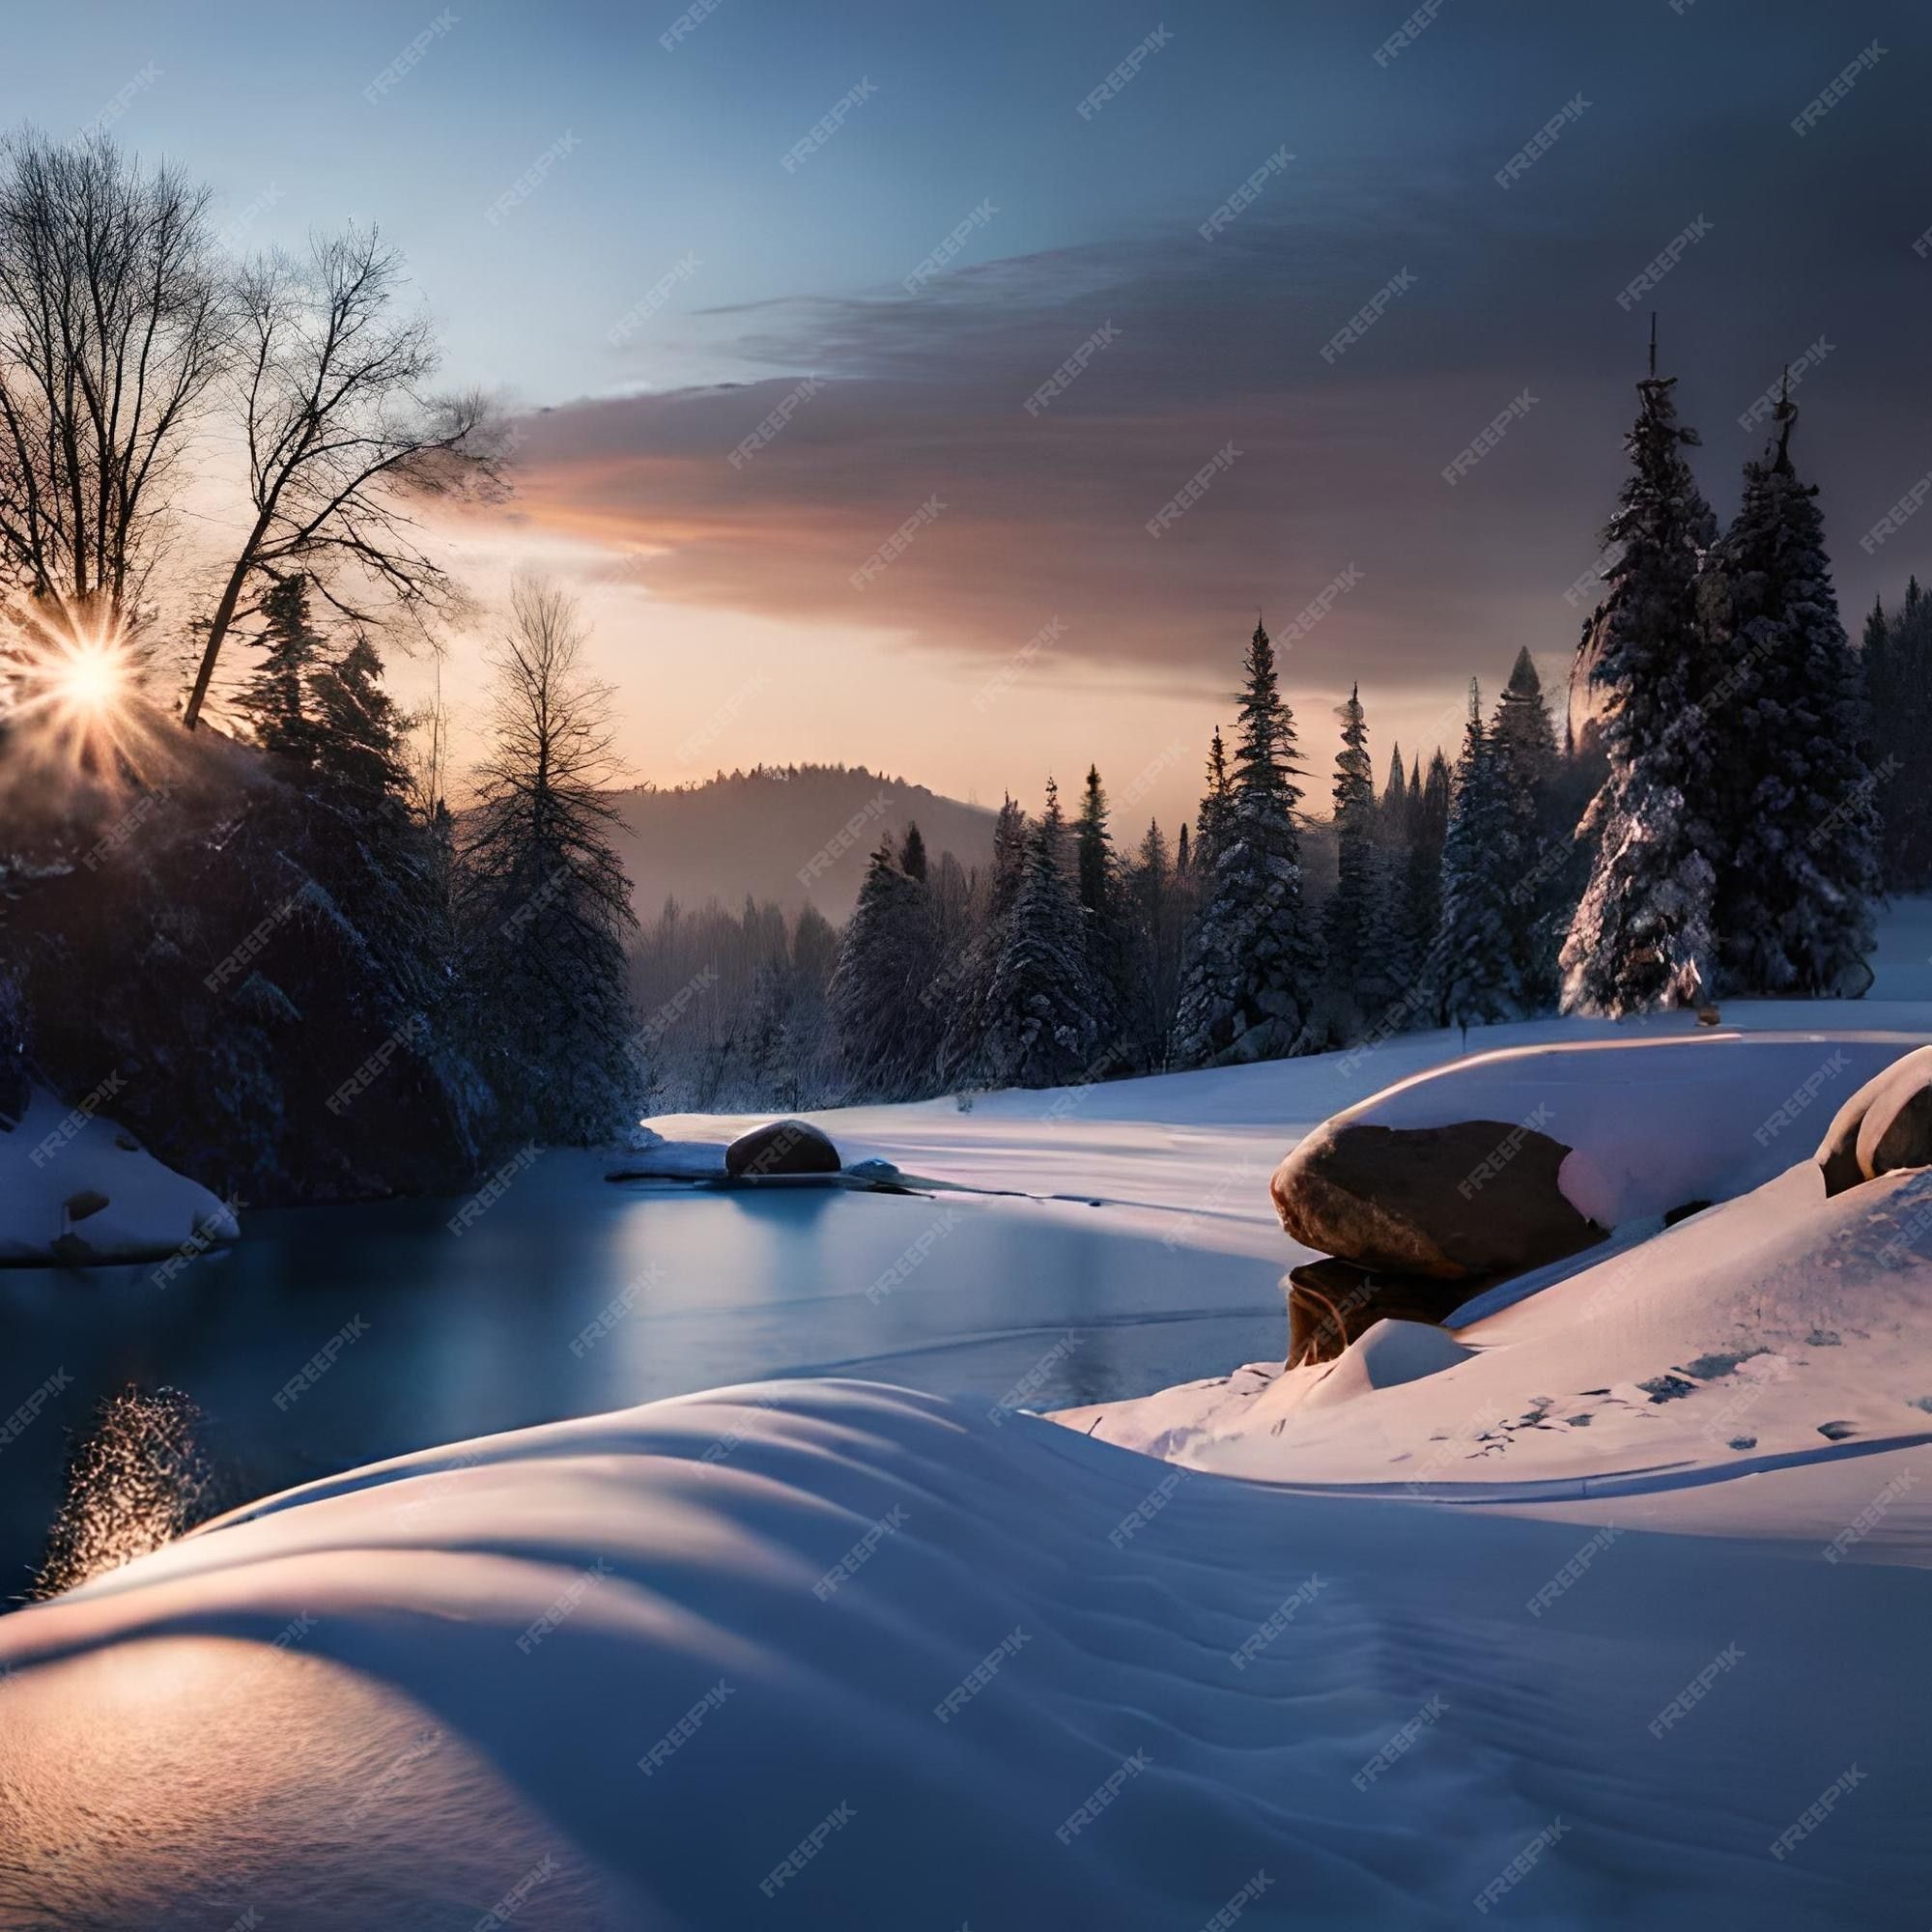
[
  {"x": 1254, "y": 964},
  {"x": 1478, "y": 966},
  {"x": 359, "y": 752},
  {"x": 1154, "y": 897},
  {"x": 545, "y": 904},
  {"x": 1798, "y": 862},
  {"x": 1216, "y": 804},
  {"x": 912, "y": 853},
  {"x": 1043, "y": 1028},
  {"x": 1642, "y": 935},
  {"x": 275, "y": 699},
  {"x": 1099, "y": 888},
  {"x": 1355, "y": 927},
  {"x": 1422, "y": 887},
  {"x": 963, "y": 996},
  {"x": 1392, "y": 814},
  {"x": 885, "y": 965},
  {"x": 1524, "y": 741}
]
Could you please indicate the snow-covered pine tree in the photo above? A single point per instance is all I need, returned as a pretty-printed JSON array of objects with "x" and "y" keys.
[
  {"x": 1359, "y": 985},
  {"x": 1153, "y": 896},
  {"x": 1254, "y": 968},
  {"x": 1642, "y": 935},
  {"x": 961, "y": 996},
  {"x": 912, "y": 853},
  {"x": 545, "y": 902},
  {"x": 1898, "y": 688},
  {"x": 275, "y": 699},
  {"x": 1524, "y": 742},
  {"x": 1216, "y": 802},
  {"x": 1392, "y": 811},
  {"x": 1100, "y": 886},
  {"x": 885, "y": 966},
  {"x": 1042, "y": 1026},
  {"x": 1798, "y": 859},
  {"x": 1422, "y": 888},
  {"x": 1478, "y": 964}
]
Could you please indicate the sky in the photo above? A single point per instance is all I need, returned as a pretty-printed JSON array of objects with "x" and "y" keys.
[{"x": 881, "y": 230}]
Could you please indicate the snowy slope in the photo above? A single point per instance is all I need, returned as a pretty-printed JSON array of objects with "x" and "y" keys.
[
  {"x": 955, "y": 1672},
  {"x": 55, "y": 1156}
]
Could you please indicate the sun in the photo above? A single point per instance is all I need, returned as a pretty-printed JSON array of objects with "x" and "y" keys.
[
  {"x": 69, "y": 685},
  {"x": 92, "y": 679}
]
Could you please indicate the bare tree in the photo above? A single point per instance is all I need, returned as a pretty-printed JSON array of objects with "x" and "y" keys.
[
  {"x": 113, "y": 328},
  {"x": 343, "y": 439}
]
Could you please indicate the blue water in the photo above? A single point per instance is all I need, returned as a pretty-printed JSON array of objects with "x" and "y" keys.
[{"x": 531, "y": 1314}]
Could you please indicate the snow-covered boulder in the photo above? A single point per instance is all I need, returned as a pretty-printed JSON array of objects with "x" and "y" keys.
[
  {"x": 781, "y": 1147},
  {"x": 1473, "y": 1198},
  {"x": 1331, "y": 1302},
  {"x": 1886, "y": 1124},
  {"x": 75, "y": 1189}
]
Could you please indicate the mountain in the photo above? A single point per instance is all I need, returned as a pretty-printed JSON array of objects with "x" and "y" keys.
[{"x": 793, "y": 834}]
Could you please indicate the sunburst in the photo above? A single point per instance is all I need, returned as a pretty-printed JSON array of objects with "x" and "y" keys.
[{"x": 69, "y": 688}]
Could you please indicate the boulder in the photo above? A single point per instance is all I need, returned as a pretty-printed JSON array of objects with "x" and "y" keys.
[
  {"x": 1459, "y": 1203},
  {"x": 782, "y": 1147},
  {"x": 1886, "y": 1124},
  {"x": 1330, "y": 1303}
]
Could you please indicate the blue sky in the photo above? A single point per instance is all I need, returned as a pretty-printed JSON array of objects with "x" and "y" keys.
[{"x": 674, "y": 158}]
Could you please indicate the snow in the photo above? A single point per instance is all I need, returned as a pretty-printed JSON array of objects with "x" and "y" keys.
[
  {"x": 55, "y": 1153},
  {"x": 1604, "y": 1606}
]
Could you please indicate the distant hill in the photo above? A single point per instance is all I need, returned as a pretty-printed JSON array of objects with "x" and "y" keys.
[{"x": 755, "y": 831}]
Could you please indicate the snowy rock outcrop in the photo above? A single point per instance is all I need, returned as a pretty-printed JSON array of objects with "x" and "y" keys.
[
  {"x": 782, "y": 1147},
  {"x": 74, "y": 1188},
  {"x": 1452, "y": 1202},
  {"x": 1884, "y": 1126}
]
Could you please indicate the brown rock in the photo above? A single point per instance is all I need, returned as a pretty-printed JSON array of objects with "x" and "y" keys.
[
  {"x": 1478, "y": 1198},
  {"x": 1331, "y": 1302},
  {"x": 782, "y": 1146},
  {"x": 1886, "y": 1124}
]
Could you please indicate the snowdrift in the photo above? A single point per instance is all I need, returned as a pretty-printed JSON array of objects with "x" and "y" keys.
[
  {"x": 56, "y": 1163},
  {"x": 830, "y": 1654}
]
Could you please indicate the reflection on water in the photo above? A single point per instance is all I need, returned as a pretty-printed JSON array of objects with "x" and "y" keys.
[{"x": 333, "y": 1336}]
